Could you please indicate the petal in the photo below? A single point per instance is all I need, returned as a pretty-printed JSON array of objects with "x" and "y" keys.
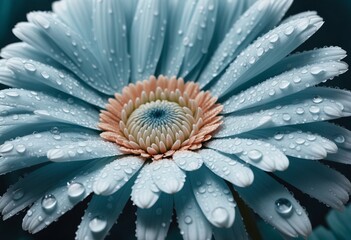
[
  {"x": 237, "y": 231},
  {"x": 191, "y": 31},
  {"x": 76, "y": 14},
  {"x": 147, "y": 37},
  {"x": 160, "y": 214},
  {"x": 262, "y": 16},
  {"x": 264, "y": 194},
  {"x": 299, "y": 108},
  {"x": 296, "y": 143},
  {"x": 320, "y": 233},
  {"x": 227, "y": 168},
  {"x": 187, "y": 160},
  {"x": 275, "y": 44},
  {"x": 111, "y": 40},
  {"x": 24, "y": 50},
  {"x": 283, "y": 85},
  {"x": 35, "y": 75},
  {"x": 60, "y": 108},
  {"x": 31, "y": 149},
  {"x": 49, "y": 35},
  {"x": 167, "y": 176},
  {"x": 191, "y": 220},
  {"x": 22, "y": 193},
  {"x": 45, "y": 211},
  {"x": 83, "y": 150},
  {"x": 213, "y": 197},
  {"x": 114, "y": 175},
  {"x": 300, "y": 59},
  {"x": 145, "y": 193},
  {"x": 339, "y": 223},
  {"x": 319, "y": 181},
  {"x": 102, "y": 213},
  {"x": 257, "y": 153}
]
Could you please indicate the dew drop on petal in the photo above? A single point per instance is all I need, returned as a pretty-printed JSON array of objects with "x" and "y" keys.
[
  {"x": 75, "y": 190},
  {"x": 283, "y": 206},
  {"x": 188, "y": 219},
  {"x": 17, "y": 194},
  {"x": 255, "y": 155},
  {"x": 7, "y": 147},
  {"x": 48, "y": 202},
  {"x": 30, "y": 67},
  {"x": 97, "y": 224},
  {"x": 220, "y": 216}
]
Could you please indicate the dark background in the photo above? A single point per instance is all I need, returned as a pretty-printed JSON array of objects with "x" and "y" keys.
[{"x": 335, "y": 32}]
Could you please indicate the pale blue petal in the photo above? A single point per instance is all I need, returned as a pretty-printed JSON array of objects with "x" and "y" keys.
[
  {"x": 30, "y": 150},
  {"x": 57, "y": 108},
  {"x": 110, "y": 32},
  {"x": 153, "y": 223},
  {"x": 283, "y": 85},
  {"x": 191, "y": 221},
  {"x": 191, "y": 30},
  {"x": 115, "y": 174},
  {"x": 237, "y": 231},
  {"x": 227, "y": 168},
  {"x": 65, "y": 46},
  {"x": 83, "y": 150},
  {"x": 30, "y": 73},
  {"x": 296, "y": 143},
  {"x": 213, "y": 197},
  {"x": 300, "y": 59},
  {"x": 339, "y": 222},
  {"x": 321, "y": 233},
  {"x": 319, "y": 181},
  {"x": 262, "y": 196},
  {"x": 275, "y": 44},
  {"x": 76, "y": 14},
  {"x": 299, "y": 108},
  {"x": 261, "y": 16},
  {"x": 167, "y": 176},
  {"x": 257, "y": 153},
  {"x": 342, "y": 156},
  {"x": 102, "y": 213},
  {"x": 24, "y": 50},
  {"x": 145, "y": 193},
  {"x": 147, "y": 37},
  {"x": 22, "y": 193},
  {"x": 40, "y": 215},
  {"x": 187, "y": 160}
]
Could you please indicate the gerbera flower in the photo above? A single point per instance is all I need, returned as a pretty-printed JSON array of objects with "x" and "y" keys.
[{"x": 176, "y": 104}]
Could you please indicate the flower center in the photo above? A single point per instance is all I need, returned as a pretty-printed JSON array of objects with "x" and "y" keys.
[{"x": 157, "y": 117}]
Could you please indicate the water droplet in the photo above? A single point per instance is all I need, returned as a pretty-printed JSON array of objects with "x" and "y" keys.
[
  {"x": 283, "y": 206},
  {"x": 45, "y": 75},
  {"x": 316, "y": 70},
  {"x": 274, "y": 38},
  {"x": 289, "y": 30},
  {"x": 314, "y": 109},
  {"x": 317, "y": 99},
  {"x": 20, "y": 148},
  {"x": 42, "y": 21},
  {"x": 7, "y": 147},
  {"x": 255, "y": 155},
  {"x": 339, "y": 139},
  {"x": 48, "y": 202},
  {"x": 220, "y": 216},
  {"x": 75, "y": 190},
  {"x": 97, "y": 224},
  {"x": 188, "y": 219},
  {"x": 30, "y": 67},
  {"x": 17, "y": 194}
]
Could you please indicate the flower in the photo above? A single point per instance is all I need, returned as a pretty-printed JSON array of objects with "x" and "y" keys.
[{"x": 183, "y": 102}]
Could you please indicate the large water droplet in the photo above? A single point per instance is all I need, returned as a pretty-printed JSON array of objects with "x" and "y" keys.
[
  {"x": 48, "y": 202},
  {"x": 75, "y": 190},
  {"x": 255, "y": 155},
  {"x": 7, "y": 147},
  {"x": 283, "y": 206},
  {"x": 17, "y": 194},
  {"x": 220, "y": 216},
  {"x": 97, "y": 224},
  {"x": 30, "y": 67},
  {"x": 188, "y": 219},
  {"x": 339, "y": 139}
]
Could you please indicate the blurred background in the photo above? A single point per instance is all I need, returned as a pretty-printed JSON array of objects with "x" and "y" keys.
[{"x": 335, "y": 32}]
